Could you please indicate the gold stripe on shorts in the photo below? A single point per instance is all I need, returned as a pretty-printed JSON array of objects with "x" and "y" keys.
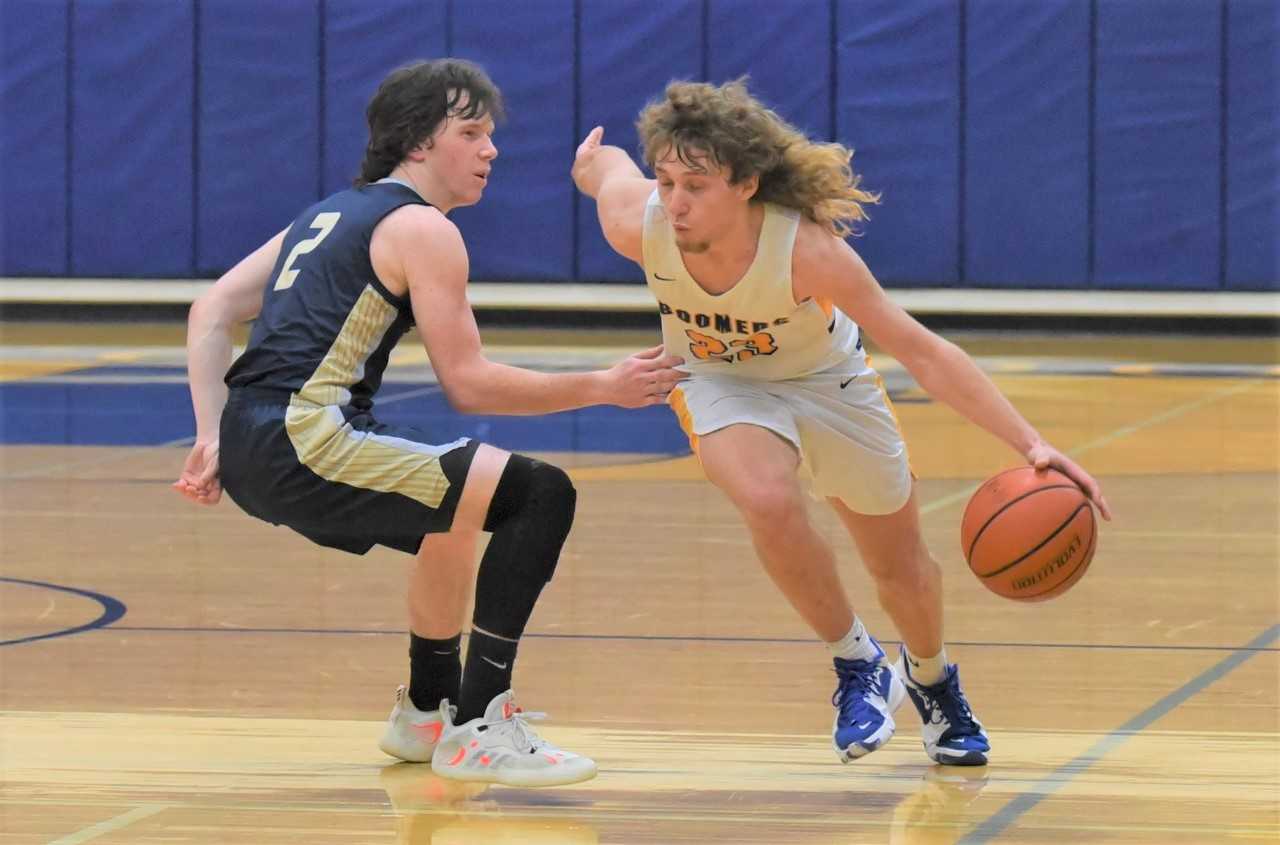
[
  {"x": 678, "y": 404},
  {"x": 328, "y": 446},
  {"x": 893, "y": 412}
]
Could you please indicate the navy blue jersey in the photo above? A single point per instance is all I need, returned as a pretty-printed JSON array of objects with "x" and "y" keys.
[{"x": 327, "y": 325}]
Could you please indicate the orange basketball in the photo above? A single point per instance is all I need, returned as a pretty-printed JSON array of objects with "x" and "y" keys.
[{"x": 1028, "y": 535}]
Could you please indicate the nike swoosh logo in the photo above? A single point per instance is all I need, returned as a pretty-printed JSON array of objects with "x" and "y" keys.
[
  {"x": 493, "y": 663},
  {"x": 662, "y": 278},
  {"x": 847, "y": 382}
]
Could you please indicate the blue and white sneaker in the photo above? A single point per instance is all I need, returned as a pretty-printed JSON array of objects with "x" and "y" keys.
[
  {"x": 952, "y": 735},
  {"x": 865, "y": 698}
]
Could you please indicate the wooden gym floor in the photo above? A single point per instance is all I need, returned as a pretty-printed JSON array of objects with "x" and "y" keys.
[{"x": 173, "y": 674}]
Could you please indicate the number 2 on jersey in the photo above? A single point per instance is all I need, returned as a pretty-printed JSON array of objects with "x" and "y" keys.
[{"x": 325, "y": 221}]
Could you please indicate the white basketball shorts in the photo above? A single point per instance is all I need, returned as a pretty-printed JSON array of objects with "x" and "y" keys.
[{"x": 840, "y": 421}]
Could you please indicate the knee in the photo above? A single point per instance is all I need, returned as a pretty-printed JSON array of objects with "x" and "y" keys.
[
  {"x": 533, "y": 489},
  {"x": 555, "y": 492},
  {"x": 530, "y": 517},
  {"x": 778, "y": 506}
]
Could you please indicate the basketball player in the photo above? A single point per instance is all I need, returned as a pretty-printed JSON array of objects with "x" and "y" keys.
[
  {"x": 295, "y": 442},
  {"x": 741, "y": 238}
]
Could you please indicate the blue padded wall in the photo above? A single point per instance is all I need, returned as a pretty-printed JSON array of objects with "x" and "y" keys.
[
  {"x": 1017, "y": 143},
  {"x": 628, "y": 51},
  {"x": 784, "y": 47},
  {"x": 1158, "y": 119},
  {"x": 1026, "y": 188},
  {"x": 131, "y": 142},
  {"x": 897, "y": 87},
  {"x": 1253, "y": 146},
  {"x": 522, "y": 228},
  {"x": 33, "y": 137},
  {"x": 259, "y": 123},
  {"x": 363, "y": 41}
]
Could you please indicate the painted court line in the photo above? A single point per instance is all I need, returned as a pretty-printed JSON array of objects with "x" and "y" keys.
[
  {"x": 664, "y": 638},
  {"x": 1110, "y": 437},
  {"x": 1061, "y": 776},
  {"x": 111, "y": 825}
]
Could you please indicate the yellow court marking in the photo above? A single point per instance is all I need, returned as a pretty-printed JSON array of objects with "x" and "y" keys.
[
  {"x": 1115, "y": 435},
  {"x": 16, "y": 368},
  {"x": 687, "y": 468},
  {"x": 684, "y": 468},
  {"x": 1133, "y": 369},
  {"x": 13, "y": 370}
]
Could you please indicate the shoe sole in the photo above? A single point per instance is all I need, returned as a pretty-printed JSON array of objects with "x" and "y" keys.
[
  {"x": 393, "y": 743},
  {"x": 968, "y": 758},
  {"x": 389, "y": 747},
  {"x": 520, "y": 779},
  {"x": 858, "y": 750}
]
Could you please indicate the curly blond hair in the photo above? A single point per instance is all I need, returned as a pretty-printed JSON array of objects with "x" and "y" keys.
[{"x": 739, "y": 133}]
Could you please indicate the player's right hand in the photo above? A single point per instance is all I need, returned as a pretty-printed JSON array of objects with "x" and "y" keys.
[
  {"x": 199, "y": 480},
  {"x": 645, "y": 378},
  {"x": 1042, "y": 456}
]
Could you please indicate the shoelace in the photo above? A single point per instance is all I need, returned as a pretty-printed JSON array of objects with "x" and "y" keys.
[
  {"x": 949, "y": 701},
  {"x": 857, "y": 678},
  {"x": 515, "y": 726}
]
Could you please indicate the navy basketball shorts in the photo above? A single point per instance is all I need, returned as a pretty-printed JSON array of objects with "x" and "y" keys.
[{"x": 337, "y": 476}]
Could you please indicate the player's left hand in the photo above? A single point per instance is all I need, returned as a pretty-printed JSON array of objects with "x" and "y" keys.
[
  {"x": 199, "y": 480},
  {"x": 1043, "y": 456},
  {"x": 587, "y": 152}
]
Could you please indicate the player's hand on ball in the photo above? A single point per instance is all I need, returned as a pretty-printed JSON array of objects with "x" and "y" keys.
[{"x": 1044, "y": 456}]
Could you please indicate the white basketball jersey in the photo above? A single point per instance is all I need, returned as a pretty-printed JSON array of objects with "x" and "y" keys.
[{"x": 755, "y": 329}]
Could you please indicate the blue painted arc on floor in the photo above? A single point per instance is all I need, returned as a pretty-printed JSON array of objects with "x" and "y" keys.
[{"x": 111, "y": 610}]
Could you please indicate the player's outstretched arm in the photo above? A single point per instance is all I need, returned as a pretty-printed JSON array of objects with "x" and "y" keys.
[
  {"x": 235, "y": 298},
  {"x": 826, "y": 267},
  {"x": 620, "y": 190},
  {"x": 429, "y": 250}
]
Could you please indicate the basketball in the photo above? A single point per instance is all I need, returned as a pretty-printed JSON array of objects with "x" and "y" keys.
[{"x": 1028, "y": 535}]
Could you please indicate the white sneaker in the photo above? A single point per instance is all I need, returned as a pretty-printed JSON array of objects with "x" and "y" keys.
[
  {"x": 411, "y": 734},
  {"x": 500, "y": 748}
]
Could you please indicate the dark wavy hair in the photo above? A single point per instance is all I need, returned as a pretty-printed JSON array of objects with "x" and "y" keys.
[{"x": 414, "y": 100}]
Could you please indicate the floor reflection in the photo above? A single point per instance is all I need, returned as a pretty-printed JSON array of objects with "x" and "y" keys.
[
  {"x": 936, "y": 808},
  {"x": 431, "y": 810},
  {"x": 938, "y": 811}
]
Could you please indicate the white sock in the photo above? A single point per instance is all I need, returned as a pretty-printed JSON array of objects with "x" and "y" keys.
[
  {"x": 926, "y": 671},
  {"x": 855, "y": 645}
]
